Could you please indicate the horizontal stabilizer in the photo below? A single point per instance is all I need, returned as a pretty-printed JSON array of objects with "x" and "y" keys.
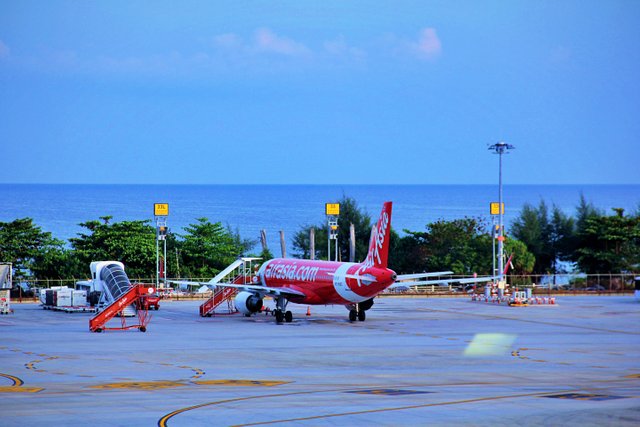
[
  {"x": 445, "y": 282},
  {"x": 402, "y": 277}
]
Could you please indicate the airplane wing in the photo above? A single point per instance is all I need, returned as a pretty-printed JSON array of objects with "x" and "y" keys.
[
  {"x": 183, "y": 284},
  {"x": 264, "y": 290},
  {"x": 255, "y": 289}
]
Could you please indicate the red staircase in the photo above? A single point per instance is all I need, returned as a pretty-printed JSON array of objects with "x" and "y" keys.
[
  {"x": 97, "y": 324},
  {"x": 221, "y": 295}
]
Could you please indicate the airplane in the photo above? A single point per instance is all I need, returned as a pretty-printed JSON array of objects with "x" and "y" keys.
[{"x": 315, "y": 282}]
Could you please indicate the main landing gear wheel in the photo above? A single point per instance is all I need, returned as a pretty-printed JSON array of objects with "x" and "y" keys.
[
  {"x": 353, "y": 315},
  {"x": 362, "y": 315},
  {"x": 279, "y": 316},
  {"x": 288, "y": 317}
]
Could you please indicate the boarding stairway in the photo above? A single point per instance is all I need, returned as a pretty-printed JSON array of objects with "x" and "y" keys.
[
  {"x": 118, "y": 298},
  {"x": 116, "y": 283},
  {"x": 5, "y": 288},
  {"x": 124, "y": 301},
  {"x": 242, "y": 274}
]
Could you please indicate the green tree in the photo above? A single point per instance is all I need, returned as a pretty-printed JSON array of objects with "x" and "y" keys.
[
  {"x": 58, "y": 262},
  {"x": 523, "y": 261},
  {"x": 609, "y": 244},
  {"x": 350, "y": 213},
  {"x": 22, "y": 243},
  {"x": 209, "y": 247},
  {"x": 131, "y": 242},
  {"x": 460, "y": 245},
  {"x": 550, "y": 240},
  {"x": 586, "y": 212},
  {"x": 532, "y": 228}
]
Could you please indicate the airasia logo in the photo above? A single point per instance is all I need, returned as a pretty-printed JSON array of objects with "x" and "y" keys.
[
  {"x": 291, "y": 272},
  {"x": 378, "y": 242}
]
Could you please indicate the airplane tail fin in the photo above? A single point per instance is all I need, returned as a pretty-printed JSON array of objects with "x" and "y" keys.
[{"x": 378, "y": 254}]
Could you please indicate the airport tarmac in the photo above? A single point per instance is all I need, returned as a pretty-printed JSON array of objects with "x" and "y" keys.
[{"x": 414, "y": 361}]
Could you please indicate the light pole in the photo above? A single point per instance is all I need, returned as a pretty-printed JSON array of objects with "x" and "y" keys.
[{"x": 500, "y": 148}]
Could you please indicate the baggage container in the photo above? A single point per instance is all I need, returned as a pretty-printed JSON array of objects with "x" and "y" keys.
[
  {"x": 64, "y": 300},
  {"x": 79, "y": 298},
  {"x": 50, "y": 297}
]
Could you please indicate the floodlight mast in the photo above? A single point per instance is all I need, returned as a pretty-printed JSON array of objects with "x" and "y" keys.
[{"x": 500, "y": 148}]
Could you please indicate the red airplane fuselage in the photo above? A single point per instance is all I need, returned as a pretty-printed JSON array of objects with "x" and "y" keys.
[
  {"x": 328, "y": 282},
  {"x": 325, "y": 282}
]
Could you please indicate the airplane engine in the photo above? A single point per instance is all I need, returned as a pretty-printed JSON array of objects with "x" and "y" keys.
[
  {"x": 366, "y": 305},
  {"x": 248, "y": 303}
]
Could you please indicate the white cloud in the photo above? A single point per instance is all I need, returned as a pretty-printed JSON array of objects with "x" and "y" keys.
[
  {"x": 340, "y": 48},
  {"x": 263, "y": 51},
  {"x": 4, "y": 50},
  {"x": 428, "y": 45},
  {"x": 267, "y": 41},
  {"x": 560, "y": 55},
  {"x": 227, "y": 41}
]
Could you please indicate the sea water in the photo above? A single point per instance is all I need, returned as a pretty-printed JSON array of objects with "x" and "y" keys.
[{"x": 60, "y": 209}]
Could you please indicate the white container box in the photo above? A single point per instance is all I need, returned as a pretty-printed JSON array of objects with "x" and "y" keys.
[
  {"x": 64, "y": 300},
  {"x": 79, "y": 298}
]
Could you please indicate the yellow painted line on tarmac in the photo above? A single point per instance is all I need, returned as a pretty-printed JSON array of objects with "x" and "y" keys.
[
  {"x": 17, "y": 382},
  {"x": 632, "y": 376},
  {"x": 15, "y": 389},
  {"x": 140, "y": 385},
  {"x": 163, "y": 421},
  {"x": 198, "y": 373},
  {"x": 17, "y": 386},
  {"x": 536, "y": 322},
  {"x": 399, "y": 408},
  {"x": 244, "y": 383}
]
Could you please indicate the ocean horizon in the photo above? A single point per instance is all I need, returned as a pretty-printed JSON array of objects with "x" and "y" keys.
[{"x": 249, "y": 208}]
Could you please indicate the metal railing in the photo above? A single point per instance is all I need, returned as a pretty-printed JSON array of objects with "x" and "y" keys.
[{"x": 541, "y": 284}]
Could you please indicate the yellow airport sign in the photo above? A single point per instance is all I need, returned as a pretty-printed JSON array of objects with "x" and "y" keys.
[
  {"x": 494, "y": 208},
  {"x": 161, "y": 209},
  {"x": 332, "y": 208}
]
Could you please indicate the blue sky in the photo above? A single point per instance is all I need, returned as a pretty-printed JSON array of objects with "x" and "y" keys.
[{"x": 351, "y": 92}]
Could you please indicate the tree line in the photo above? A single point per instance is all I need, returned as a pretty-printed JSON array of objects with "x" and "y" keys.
[
  {"x": 202, "y": 251},
  {"x": 542, "y": 240}
]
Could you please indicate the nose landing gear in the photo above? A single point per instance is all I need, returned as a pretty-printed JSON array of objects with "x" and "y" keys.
[
  {"x": 360, "y": 315},
  {"x": 358, "y": 311}
]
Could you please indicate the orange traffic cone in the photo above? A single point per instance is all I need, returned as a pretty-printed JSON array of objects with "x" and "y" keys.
[{"x": 308, "y": 311}]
